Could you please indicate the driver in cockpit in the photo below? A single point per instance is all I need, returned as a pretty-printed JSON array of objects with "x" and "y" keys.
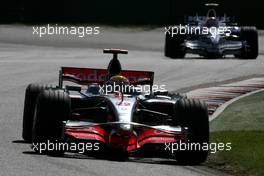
[{"x": 211, "y": 20}]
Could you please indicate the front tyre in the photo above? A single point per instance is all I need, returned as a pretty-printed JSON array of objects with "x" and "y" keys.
[
  {"x": 249, "y": 35},
  {"x": 193, "y": 114},
  {"x": 174, "y": 45},
  {"x": 53, "y": 107},
  {"x": 32, "y": 92}
]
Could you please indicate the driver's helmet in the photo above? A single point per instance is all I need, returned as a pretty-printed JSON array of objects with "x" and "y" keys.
[
  {"x": 211, "y": 22},
  {"x": 118, "y": 83}
]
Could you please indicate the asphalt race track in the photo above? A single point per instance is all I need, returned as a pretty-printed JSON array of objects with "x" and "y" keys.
[{"x": 25, "y": 58}]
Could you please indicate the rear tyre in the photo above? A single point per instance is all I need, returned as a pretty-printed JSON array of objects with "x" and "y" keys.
[
  {"x": 193, "y": 114},
  {"x": 173, "y": 45},
  {"x": 53, "y": 107},
  {"x": 31, "y": 95},
  {"x": 249, "y": 34}
]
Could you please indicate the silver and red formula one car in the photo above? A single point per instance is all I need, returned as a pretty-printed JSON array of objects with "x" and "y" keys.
[{"x": 112, "y": 112}]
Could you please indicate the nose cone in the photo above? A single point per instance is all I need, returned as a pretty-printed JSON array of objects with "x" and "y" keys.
[
  {"x": 124, "y": 109},
  {"x": 122, "y": 140},
  {"x": 215, "y": 37},
  {"x": 215, "y": 40}
]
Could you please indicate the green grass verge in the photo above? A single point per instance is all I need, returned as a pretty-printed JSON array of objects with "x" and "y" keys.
[
  {"x": 244, "y": 114},
  {"x": 242, "y": 124},
  {"x": 246, "y": 156}
]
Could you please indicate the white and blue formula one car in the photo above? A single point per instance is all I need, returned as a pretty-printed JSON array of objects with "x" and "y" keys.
[{"x": 211, "y": 36}]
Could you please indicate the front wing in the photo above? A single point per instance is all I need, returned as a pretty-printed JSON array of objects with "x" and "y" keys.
[
  {"x": 109, "y": 135},
  {"x": 203, "y": 48}
]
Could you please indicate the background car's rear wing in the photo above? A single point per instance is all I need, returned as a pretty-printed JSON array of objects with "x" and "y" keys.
[{"x": 84, "y": 76}]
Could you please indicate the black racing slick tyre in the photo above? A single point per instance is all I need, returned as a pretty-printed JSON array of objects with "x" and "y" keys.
[
  {"x": 193, "y": 114},
  {"x": 53, "y": 107},
  {"x": 173, "y": 45},
  {"x": 32, "y": 92},
  {"x": 249, "y": 35}
]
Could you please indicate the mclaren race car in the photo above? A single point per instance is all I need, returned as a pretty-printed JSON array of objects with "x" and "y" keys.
[
  {"x": 211, "y": 36},
  {"x": 106, "y": 111}
]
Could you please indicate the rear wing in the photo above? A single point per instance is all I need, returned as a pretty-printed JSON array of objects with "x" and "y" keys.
[{"x": 85, "y": 76}]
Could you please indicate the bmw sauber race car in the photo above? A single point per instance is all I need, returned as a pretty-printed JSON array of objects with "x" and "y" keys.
[
  {"x": 211, "y": 36},
  {"x": 107, "y": 109}
]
